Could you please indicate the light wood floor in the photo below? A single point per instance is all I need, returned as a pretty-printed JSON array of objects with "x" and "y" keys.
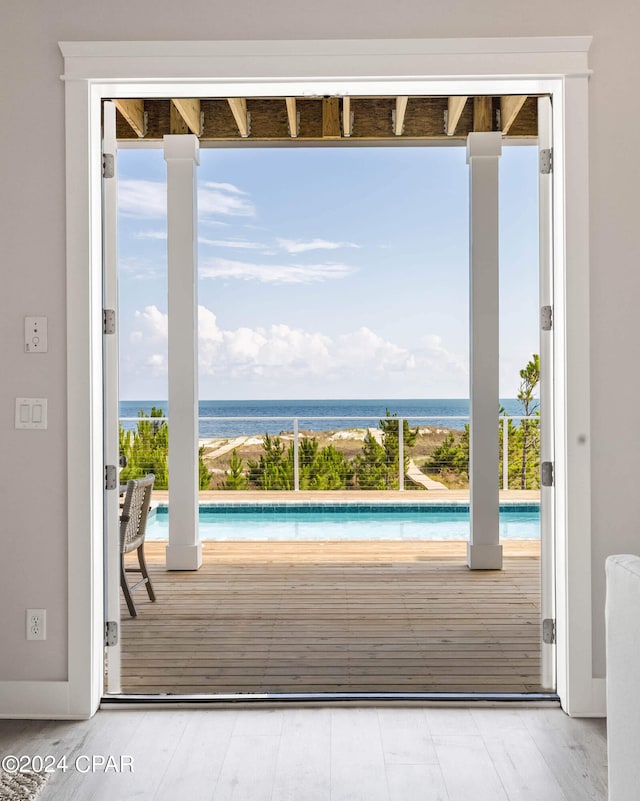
[
  {"x": 336, "y": 617},
  {"x": 323, "y": 755}
]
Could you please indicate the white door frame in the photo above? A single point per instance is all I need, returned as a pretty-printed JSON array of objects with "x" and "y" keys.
[
  {"x": 111, "y": 395},
  {"x": 557, "y": 66}
]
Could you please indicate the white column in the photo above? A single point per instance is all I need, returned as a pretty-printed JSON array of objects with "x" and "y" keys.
[
  {"x": 483, "y": 153},
  {"x": 181, "y": 153}
]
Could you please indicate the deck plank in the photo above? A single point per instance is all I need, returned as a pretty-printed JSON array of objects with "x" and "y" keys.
[{"x": 334, "y": 617}]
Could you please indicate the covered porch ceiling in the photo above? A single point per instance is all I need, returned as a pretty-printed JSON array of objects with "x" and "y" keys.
[{"x": 323, "y": 119}]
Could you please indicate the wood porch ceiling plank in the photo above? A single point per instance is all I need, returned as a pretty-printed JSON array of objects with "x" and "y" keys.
[
  {"x": 133, "y": 113},
  {"x": 482, "y": 114},
  {"x": 510, "y": 107},
  {"x": 400, "y": 111},
  {"x": 455, "y": 107},
  {"x": 292, "y": 116},
  {"x": 238, "y": 106},
  {"x": 270, "y": 119},
  {"x": 346, "y": 116},
  {"x": 331, "y": 118},
  {"x": 189, "y": 109}
]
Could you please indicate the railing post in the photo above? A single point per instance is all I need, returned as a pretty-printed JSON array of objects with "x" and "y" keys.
[
  {"x": 401, "y": 454},
  {"x": 505, "y": 453},
  {"x": 296, "y": 458}
]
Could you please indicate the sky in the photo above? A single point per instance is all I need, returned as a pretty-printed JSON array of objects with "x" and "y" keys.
[{"x": 326, "y": 272}]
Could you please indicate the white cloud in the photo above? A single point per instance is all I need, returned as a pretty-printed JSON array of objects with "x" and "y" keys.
[
  {"x": 148, "y": 200},
  {"x": 151, "y": 235},
  {"x": 301, "y": 246},
  {"x": 381, "y": 356},
  {"x": 434, "y": 355},
  {"x": 280, "y": 353},
  {"x": 227, "y": 199},
  {"x": 273, "y": 273},
  {"x": 240, "y": 244},
  {"x": 139, "y": 198},
  {"x": 151, "y": 325},
  {"x": 143, "y": 268}
]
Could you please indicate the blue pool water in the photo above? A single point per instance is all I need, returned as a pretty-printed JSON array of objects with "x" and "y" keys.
[{"x": 347, "y": 522}]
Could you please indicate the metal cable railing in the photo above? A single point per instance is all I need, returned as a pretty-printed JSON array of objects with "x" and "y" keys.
[{"x": 361, "y": 456}]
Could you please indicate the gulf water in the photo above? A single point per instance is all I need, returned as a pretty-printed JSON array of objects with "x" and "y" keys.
[{"x": 441, "y": 413}]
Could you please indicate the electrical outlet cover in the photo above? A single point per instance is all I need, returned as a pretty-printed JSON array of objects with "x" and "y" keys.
[{"x": 36, "y": 624}]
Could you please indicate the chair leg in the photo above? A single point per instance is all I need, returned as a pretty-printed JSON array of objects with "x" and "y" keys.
[
  {"x": 125, "y": 589},
  {"x": 145, "y": 573}
]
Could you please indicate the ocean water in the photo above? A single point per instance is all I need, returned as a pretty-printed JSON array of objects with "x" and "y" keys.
[{"x": 434, "y": 412}]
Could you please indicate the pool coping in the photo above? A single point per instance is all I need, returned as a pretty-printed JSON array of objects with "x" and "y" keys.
[{"x": 358, "y": 507}]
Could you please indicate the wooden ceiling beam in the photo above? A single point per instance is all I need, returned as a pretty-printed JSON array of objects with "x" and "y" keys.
[
  {"x": 346, "y": 116},
  {"x": 270, "y": 120},
  {"x": 482, "y": 114},
  {"x": 133, "y": 112},
  {"x": 510, "y": 106},
  {"x": 177, "y": 125},
  {"x": 331, "y": 118},
  {"x": 398, "y": 118},
  {"x": 238, "y": 106},
  {"x": 454, "y": 111},
  {"x": 189, "y": 109},
  {"x": 292, "y": 116}
]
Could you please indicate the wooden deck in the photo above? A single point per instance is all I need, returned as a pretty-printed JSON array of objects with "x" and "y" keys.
[{"x": 336, "y": 616}]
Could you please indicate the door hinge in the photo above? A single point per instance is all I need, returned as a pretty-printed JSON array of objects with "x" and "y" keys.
[
  {"x": 110, "y": 633},
  {"x": 108, "y": 165},
  {"x": 108, "y": 321},
  {"x": 546, "y": 474},
  {"x": 110, "y": 477},
  {"x": 549, "y": 631},
  {"x": 546, "y": 318},
  {"x": 546, "y": 161}
]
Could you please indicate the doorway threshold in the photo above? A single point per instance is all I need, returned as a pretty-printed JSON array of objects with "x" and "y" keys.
[{"x": 252, "y": 700}]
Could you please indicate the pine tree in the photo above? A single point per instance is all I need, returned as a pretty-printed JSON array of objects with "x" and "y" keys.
[
  {"x": 391, "y": 444},
  {"x": 146, "y": 450},
  {"x": 529, "y": 429},
  {"x": 236, "y": 479}
]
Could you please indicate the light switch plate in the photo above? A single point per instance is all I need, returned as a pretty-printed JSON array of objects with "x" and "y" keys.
[
  {"x": 31, "y": 413},
  {"x": 35, "y": 335}
]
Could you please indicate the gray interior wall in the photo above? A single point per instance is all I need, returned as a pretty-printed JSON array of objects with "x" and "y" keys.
[{"x": 32, "y": 232}]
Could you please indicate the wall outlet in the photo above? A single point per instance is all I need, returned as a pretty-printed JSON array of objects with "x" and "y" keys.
[{"x": 36, "y": 624}]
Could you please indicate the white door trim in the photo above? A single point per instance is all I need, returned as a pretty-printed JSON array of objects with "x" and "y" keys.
[
  {"x": 556, "y": 65},
  {"x": 111, "y": 394},
  {"x": 547, "y": 436}
]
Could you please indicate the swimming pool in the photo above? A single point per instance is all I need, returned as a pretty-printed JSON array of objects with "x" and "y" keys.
[{"x": 348, "y": 521}]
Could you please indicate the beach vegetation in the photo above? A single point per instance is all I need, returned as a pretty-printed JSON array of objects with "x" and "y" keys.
[
  {"x": 528, "y": 434},
  {"x": 378, "y": 464},
  {"x": 449, "y": 461},
  {"x": 318, "y": 468},
  {"x": 274, "y": 469},
  {"x": 235, "y": 478},
  {"x": 146, "y": 450},
  {"x": 371, "y": 465}
]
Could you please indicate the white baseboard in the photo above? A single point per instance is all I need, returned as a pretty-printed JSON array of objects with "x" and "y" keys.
[
  {"x": 594, "y": 706},
  {"x": 36, "y": 700}
]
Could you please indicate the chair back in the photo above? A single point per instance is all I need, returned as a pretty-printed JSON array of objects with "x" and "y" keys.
[{"x": 135, "y": 509}]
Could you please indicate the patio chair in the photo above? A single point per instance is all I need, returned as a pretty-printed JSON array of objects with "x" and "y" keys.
[{"x": 133, "y": 526}]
